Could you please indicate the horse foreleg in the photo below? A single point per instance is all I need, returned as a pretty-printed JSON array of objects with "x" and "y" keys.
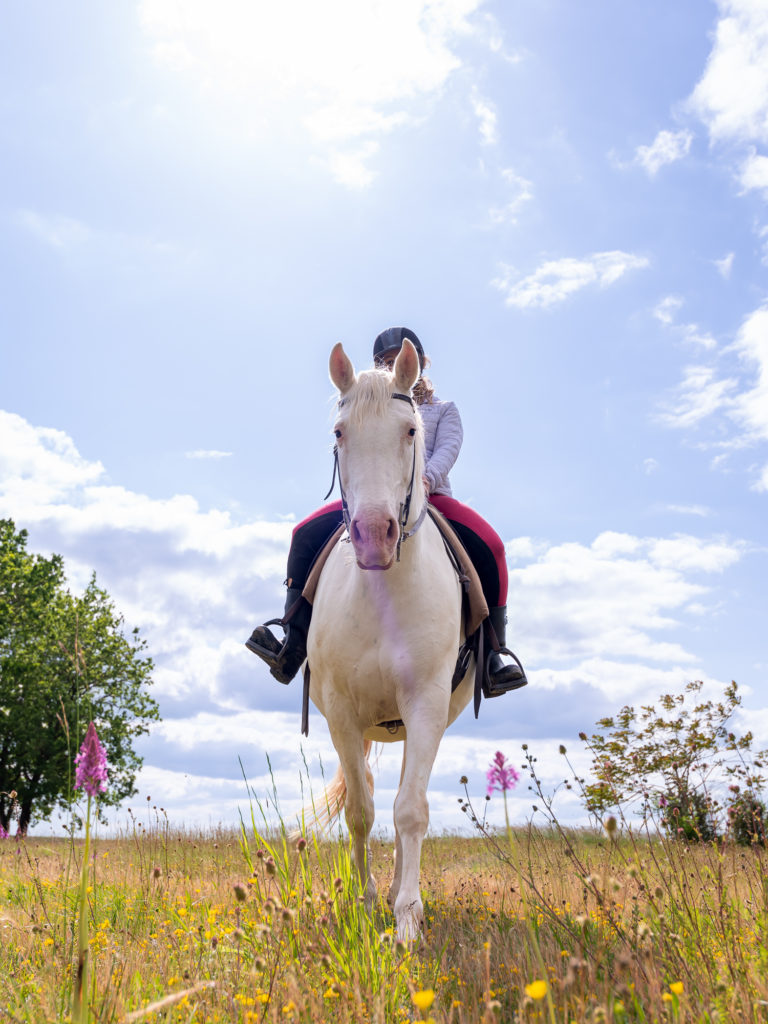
[
  {"x": 398, "y": 852},
  {"x": 411, "y": 821},
  {"x": 352, "y": 751}
]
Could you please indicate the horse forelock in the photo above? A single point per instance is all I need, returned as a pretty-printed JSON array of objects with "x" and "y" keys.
[{"x": 370, "y": 396}]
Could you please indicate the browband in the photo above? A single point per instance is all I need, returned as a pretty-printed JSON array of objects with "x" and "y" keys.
[{"x": 395, "y": 394}]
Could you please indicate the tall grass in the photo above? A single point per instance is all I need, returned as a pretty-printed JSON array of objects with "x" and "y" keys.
[{"x": 531, "y": 925}]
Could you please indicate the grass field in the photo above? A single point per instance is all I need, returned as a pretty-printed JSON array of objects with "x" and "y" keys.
[{"x": 530, "y": 926}]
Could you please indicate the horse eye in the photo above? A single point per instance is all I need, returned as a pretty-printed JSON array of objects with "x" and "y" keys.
[
  {"x": 412, "y": 432},
  {"x": 338, "y": 434}
]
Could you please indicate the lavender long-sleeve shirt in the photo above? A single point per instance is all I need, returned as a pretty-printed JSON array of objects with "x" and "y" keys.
[{"x": 443, "y": 435}]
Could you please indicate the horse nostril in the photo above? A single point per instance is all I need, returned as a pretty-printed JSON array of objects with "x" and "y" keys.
[
  {"x": 392, "y": 531},
  {"x": 355, "y": 533}
]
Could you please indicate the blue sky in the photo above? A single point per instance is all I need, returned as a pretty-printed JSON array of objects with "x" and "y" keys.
[{"x": 566, "y": 202}]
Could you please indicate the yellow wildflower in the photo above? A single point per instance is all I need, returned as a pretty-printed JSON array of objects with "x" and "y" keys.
[
  {"x": 424, "y": 999},
  {"x": 537, "y": 989},
  {"x": 676, "y": 987},
  {"x": 667, "y": 997}
]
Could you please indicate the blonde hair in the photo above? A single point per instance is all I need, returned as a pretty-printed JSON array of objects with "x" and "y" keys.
[{"x": 423, "y": 390}]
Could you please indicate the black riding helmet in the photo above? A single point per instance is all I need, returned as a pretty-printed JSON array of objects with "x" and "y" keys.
[{"x": 391, "y": 340}]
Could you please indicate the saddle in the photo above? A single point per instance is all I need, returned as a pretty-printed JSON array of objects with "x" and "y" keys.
[{"x": 474, "y": 610}]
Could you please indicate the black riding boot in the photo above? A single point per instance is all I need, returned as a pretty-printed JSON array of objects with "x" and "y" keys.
[
  {"x": 284, "y": 659},
  {"x": 501, "y": 676}
]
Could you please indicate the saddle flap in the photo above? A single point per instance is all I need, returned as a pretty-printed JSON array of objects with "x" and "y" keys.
[
  {"x": 317, "y": 566},
  {"x": 476, "y": 607}
]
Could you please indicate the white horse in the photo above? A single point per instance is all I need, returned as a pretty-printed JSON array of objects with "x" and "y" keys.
[{"x": 386, "y": 623}]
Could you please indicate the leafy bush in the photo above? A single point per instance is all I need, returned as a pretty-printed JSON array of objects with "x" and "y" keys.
[
  {"x": 747, "y": 820},
  {"x": 689, "y": 816},
  {"x": 673, "y": 761}
]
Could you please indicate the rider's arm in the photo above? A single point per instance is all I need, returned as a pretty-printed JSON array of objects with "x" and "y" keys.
[{"x": 447, "y": 446}]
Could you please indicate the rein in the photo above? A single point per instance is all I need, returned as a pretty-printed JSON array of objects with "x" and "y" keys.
[{"x": 405, "y": 506}]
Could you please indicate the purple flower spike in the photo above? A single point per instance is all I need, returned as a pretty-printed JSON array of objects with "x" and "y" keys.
[
  {"x": 91, "y": 764},
  {"x": 3, "y": 833},
  {"x": 500, "y": 775}
]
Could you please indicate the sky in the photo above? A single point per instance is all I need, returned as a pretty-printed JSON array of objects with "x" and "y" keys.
[{"x": 567, "y": 203}]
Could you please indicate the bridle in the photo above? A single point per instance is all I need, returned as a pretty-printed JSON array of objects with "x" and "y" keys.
[{"x": 405, "y": 506}]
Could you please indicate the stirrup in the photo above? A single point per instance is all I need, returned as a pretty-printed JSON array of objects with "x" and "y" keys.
[
  {"x": 494, "y": 687},
  {"x": 270, "y": 647},
  {"x": 271, "y": 650}
]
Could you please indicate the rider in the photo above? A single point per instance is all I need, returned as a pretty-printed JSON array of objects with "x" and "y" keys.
[{"x": 442, "y": 437}]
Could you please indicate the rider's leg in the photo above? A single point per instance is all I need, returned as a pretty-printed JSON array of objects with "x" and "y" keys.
[
  {"x": 486, "y": 549},
  {"x": 285, "y": 657}
]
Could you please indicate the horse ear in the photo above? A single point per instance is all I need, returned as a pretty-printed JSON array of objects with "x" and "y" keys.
[
  {"x": 341, "y": 369},
  {"x": 407, "y": 367}
]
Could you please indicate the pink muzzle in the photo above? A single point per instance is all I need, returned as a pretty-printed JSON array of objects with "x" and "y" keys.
[{"x": 374, "y": 537}]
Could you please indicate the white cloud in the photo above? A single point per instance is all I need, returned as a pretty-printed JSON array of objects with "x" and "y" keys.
[
  {"x": 350, "y": 166},
  {"x": 650, "y": 466},
  {"x": 738, "y": 403},
  {"x": 693, "y": 334},
  {"x": 207, "y": 453},
  {"x": 348, "y": 71},
  {"x": 732, "y": 95},
  {"x": 522, "y": 549},
  {"x": 56, "y": 231},
  {"x": 666, "y": 148},
  {"x": 750, "y": 408},
  {"x": 725, "y": 265},
  {"x": 685, "y": 553},
  {"x": 754, "y": 173},
  {"x": 521, "y": 191},
  {"x": 691, "y": 510},
  {"x": 624, "y": 681},
  {"x": 41, "y": 462},
  {"x": 699, "y": 395},
  {"x": 556, "y": 280},
  {"x": 666, "y": 313},
  {"x": 486, "y": 118},
  {"x": 612, "y": 601}
]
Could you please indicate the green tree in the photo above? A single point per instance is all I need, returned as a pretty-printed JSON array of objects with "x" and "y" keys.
[
  {"x": 64, "y": 661},
  {"x": 677, "y": 760}
]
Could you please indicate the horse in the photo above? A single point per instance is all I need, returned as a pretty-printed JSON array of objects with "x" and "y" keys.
[{"x": 387, "y": 621}]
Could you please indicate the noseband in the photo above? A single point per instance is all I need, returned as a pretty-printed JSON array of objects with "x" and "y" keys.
[{"x": 405, "y": 506}]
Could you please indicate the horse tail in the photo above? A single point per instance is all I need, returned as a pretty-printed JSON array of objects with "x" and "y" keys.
[{"x": 325, "y": 812}]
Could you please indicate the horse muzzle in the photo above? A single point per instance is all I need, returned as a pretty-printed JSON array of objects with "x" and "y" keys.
[{"x": 374, "y": 538}]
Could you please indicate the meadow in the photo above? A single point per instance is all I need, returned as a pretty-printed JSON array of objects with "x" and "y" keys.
[{"x": 528, "y": 925}]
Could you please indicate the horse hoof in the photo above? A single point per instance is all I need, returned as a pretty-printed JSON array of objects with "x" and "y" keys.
[{"x": 410, "y": 922}]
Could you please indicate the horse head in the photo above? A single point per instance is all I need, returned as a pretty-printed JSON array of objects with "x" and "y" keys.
[{"x": 380, "y": 453}]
